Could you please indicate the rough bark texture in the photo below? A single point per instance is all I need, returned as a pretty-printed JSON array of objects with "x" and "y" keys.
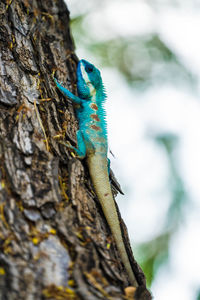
[{"x": 54, "y": 240}]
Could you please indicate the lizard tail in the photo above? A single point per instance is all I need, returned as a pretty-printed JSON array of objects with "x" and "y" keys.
[{"x": 99, "y": 174}]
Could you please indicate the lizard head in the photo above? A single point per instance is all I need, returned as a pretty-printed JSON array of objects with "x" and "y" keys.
[{"x": 88, "y": 79}]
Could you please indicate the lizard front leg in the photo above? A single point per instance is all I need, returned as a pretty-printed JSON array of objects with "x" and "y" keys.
[
  {"x": 67, "y": 93},
  {"x": 81, "y": 150}
]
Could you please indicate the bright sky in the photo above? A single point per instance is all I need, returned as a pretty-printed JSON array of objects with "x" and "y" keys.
[{"x": 141, "y": 165}]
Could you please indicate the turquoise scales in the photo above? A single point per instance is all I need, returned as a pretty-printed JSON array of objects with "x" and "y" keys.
[{"x": 92, "y": 144}]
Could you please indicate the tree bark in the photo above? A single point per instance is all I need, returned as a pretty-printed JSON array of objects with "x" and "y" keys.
[{"x": 54, "y": 240}]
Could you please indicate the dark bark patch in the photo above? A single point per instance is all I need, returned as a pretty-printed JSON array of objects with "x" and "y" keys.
[{"x": 48, "y": 210}]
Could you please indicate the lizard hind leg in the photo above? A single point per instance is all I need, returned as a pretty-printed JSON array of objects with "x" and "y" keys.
[{"x": 81, "y": 150}]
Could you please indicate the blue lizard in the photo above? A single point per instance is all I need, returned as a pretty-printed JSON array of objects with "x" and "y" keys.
[{"x": 92, "y": 144}]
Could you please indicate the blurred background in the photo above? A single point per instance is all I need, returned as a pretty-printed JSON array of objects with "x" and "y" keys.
[{"x": 149, "y": 56}]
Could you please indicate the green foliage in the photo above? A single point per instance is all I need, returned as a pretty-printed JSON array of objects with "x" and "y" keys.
[
  {"x": 142, "y": 60},
  {"x": 155, "y": 252},
  {"x": 198, "y": 295}
]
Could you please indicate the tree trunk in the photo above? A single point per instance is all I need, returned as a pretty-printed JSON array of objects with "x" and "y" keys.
[{"x": 54, "y": 240}]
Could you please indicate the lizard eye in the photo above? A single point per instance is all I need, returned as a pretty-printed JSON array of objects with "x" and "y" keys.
[{"x": 89, "y": 69}]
